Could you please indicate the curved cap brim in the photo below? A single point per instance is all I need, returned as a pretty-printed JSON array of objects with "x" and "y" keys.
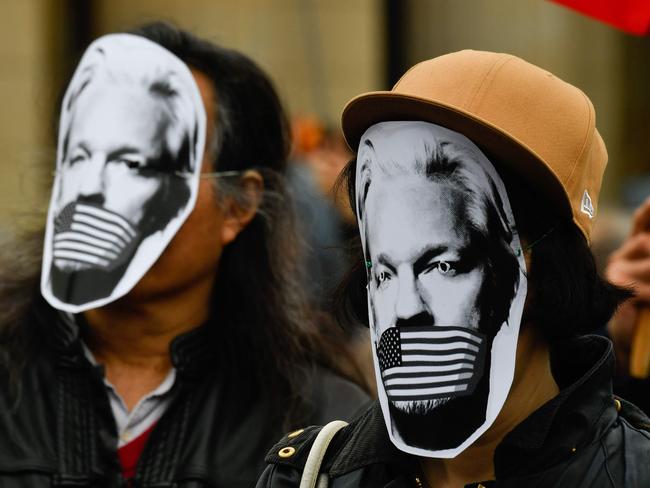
[{"x": 502, "y": 149}]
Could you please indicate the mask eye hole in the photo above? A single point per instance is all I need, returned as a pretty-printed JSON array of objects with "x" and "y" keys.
[
  {"x": 133, "y": 163},
  {"x": 382, "y": 278}
]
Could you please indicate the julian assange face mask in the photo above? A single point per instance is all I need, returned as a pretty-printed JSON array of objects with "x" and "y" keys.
[
  {"x": 131, "y": 139},
  {"x": 446, "y": 284}
]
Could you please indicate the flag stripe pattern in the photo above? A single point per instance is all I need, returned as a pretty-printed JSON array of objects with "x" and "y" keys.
[
  {"x": 90, "y": 235},
  {"x": 422, "y": 363}
]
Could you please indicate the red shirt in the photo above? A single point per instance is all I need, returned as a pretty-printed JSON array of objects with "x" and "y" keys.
[{"x": 130, "y": 453}]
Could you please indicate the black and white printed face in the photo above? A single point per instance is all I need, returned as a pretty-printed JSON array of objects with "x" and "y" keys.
[
  {"x": 425, "y": 278},
  {"x": 427, "y": 204},
  {"x": 112, "y": 170},
  {"x": 426, "y": 274},
  {"x": 132, "y": 136}
]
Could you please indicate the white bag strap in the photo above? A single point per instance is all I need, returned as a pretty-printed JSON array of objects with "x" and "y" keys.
[{"x": 316, "y": 455}]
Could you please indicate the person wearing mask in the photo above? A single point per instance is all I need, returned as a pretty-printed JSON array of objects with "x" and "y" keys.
[
  {"x": 475, "y": 186},
  {"x": 168, "y": 343}
]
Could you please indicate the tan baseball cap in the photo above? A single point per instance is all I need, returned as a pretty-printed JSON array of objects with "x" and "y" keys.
[{"x": 542, "y": 128}]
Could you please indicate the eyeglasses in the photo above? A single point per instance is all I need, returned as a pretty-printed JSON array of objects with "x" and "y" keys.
[{"x": 215, "y": 174}]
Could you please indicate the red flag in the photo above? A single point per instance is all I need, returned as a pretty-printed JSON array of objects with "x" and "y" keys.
[{"x": 632, "y": 16}]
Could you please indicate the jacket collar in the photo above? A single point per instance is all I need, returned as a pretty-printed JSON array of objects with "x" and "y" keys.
[
  {"x": 582, "y": 411},
  {"x": 190, "y": 352},
  {"x": 364, "y": 442}
]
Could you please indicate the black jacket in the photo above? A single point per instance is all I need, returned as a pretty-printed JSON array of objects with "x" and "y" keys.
[
  {"x": 584, "y": 437},
  {"x": 61, "y": 432}
]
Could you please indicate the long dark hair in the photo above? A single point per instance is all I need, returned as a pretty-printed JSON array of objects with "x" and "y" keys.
[
  {"x": 271, "y": 343},
  {"x": 20, "y": 266}
]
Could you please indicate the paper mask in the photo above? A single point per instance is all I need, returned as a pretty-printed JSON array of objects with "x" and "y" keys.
[
  {"x": 131, "y": 139},
  {"x": 446, "y": 284}
]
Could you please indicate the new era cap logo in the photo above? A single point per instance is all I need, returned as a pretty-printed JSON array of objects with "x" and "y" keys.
[{"x": 587, "y": 206}]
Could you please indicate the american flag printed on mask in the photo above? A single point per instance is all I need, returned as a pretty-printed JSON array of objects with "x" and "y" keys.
[
  {"x": 430, "y": 362},
  {"x": 87, "y": 235}
]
